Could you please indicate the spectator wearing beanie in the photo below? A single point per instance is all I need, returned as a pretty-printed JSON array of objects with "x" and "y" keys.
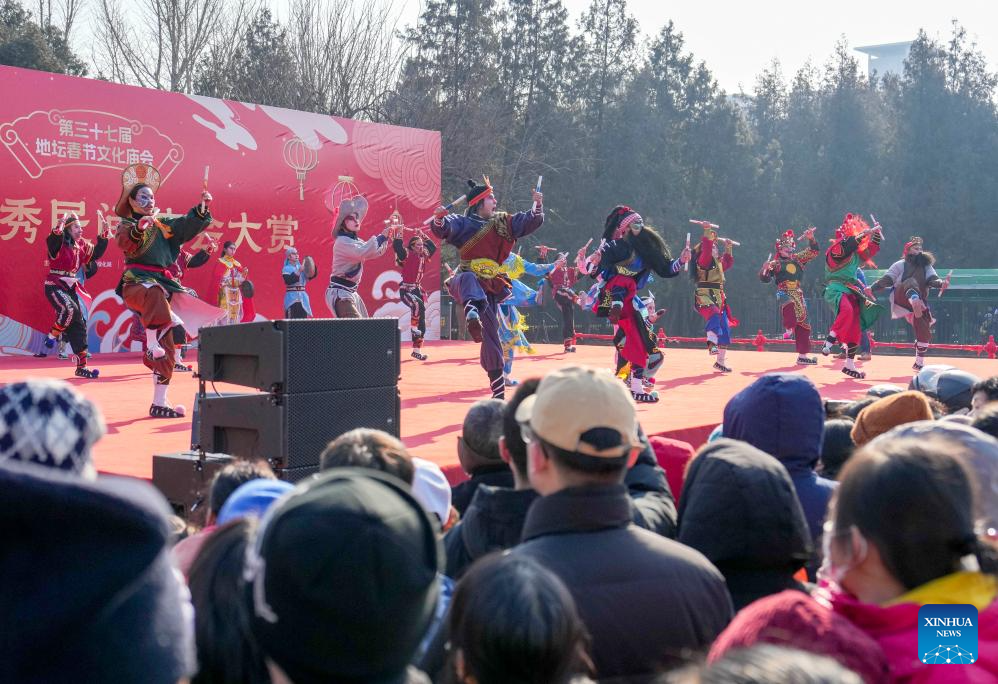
[
  {"x": 48, "y": 423},
  {"x": 226, "y": 481},
  {"x": 782, "y": 415},
  {"x": 649, "y": 602},
  {"x": 739, "y": 509},
  {"x": 889, "y": 412},
  {"x": 795, "y": 620},
  {"x": 478, "y": 452},
  {"x": 430, "y": 487},
  {"x": 344, "y": 580},
  {"x": 89, "y": 592}
]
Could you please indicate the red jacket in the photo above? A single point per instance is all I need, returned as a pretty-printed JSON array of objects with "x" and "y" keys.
[{"x": 895, "y": 628}]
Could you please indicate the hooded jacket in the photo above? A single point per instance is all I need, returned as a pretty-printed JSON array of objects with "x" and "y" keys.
[
  {"x": 739, "y": 509},
  {"x": 782, "y": 415}
]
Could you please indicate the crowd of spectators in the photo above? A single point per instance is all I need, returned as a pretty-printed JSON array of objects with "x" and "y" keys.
[{"x": 807, "y": 536}]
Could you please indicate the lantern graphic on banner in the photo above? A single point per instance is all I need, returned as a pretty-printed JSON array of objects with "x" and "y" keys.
[
  {"x": 343, "y": 190},
  {"x": 302, "y": 159}
]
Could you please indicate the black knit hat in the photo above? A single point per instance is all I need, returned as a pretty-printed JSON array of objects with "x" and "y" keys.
[
  {"x": 89, "y": 591},
  {"x": 344, "y": 578}
]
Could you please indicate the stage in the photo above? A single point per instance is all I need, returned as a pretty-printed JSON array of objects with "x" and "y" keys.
[{"x": 437, "y": 393}]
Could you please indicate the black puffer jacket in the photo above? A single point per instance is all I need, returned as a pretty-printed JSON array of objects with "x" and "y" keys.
[{"x": 740, "y": 510}]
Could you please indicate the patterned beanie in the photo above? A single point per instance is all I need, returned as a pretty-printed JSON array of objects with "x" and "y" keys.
[{"x": 49, "y": 423}]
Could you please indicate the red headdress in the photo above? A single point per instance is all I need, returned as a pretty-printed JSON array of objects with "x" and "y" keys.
[
  {"x": 786, "y": 241},
  {"x": 852, "y": 226},
  {"x": 912, "y": 241}
]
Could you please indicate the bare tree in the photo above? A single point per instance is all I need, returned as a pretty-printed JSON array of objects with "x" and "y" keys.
[
  {"x": 62, "y": 16},
  {"x": 160, "y": 43},
  {"x": 347, "y": 55}
]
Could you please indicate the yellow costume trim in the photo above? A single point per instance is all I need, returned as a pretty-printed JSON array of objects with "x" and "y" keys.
[
  {"x": 514, "y": 270},
  {"x": 485, "y": 268}
]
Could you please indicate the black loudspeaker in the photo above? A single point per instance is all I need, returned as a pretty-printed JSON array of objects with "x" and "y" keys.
[
  {"x": 304, "y": 355},
  {"x": 291, "y": 430},
  {"x": 185, "y": 480}
]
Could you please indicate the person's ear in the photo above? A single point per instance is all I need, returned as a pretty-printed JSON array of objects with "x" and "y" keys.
[{"x": 504, "y": 451}]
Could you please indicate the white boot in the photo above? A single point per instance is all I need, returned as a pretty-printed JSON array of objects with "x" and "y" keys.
[{"x": 152, "y": 344}]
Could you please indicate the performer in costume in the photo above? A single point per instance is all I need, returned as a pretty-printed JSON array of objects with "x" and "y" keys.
[
  {"x": 787, "y": 269},
  {"x": 69, "y": 252},
  {"x": 628, "y": 254},
  {"x": 411, "y": 259},
  {"x": 151, "y": 245},
  {"x": 513, "y": 324},
  {"x": 228, "y": 276},
  {"x": 625, "y": 370},
  {"x": 713, "y": 257},
  {"x": 484, "y": 238},
  {"x": 296, "y": 274},
  {"x": 855, "y": 244},
  {"x": 349, "y": 255},
  {"x": 562, "y": 280},
  {"x": 910, "y": 280}
]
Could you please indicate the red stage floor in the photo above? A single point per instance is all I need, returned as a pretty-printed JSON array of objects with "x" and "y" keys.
[{"x": 437, "y": 393}]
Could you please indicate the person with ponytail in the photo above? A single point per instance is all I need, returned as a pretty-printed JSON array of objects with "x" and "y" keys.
[{"x": 902, "y": 534}]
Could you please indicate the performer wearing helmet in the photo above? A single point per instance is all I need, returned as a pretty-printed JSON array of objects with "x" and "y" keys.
[
  {"x": 68, "y": 252},
  {"x": 787, "y": 269},
  {"x": 910, "y": 280},
  {"x": 349, "y": 254},
  {"x": 484, "y": 238}
]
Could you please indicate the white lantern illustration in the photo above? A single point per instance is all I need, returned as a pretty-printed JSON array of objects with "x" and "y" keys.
[{"x": 302, "y": 159}]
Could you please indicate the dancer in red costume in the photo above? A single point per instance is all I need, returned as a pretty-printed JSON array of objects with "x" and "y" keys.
[
  {"x": 855, "y": 245},
  {"x": 787, "y": 269},
  {"x": 68, "y": 251},
  {"x": 411, "y": 258},
  {"x": 712, "y": 257}
]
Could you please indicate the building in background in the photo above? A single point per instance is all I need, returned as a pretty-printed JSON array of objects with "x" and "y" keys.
[{"x": 886, "y": 58}]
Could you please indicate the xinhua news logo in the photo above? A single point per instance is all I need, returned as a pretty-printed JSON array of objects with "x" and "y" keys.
[{"x": 947, "y": 634}]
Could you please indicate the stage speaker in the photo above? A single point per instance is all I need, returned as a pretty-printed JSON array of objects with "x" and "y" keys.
[
  {"x": 305, "y": 355},
  {"x": 291, "y": 430},
  {"x": 185, "y": 480}
]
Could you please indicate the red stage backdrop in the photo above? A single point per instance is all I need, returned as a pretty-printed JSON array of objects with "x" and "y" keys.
[{"x": 65, "y": 141}]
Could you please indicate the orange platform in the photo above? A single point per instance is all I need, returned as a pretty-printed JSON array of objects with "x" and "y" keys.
[{"x": 437, "y": 393}]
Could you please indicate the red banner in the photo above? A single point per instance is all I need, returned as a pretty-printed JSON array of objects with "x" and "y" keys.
[{"x": 273, "y": 173}]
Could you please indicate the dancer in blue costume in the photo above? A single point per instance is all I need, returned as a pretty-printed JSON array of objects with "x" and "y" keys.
[{"x": 512, "y": 324}]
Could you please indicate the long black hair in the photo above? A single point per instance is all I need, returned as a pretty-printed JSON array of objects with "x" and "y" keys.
[
  {"x": 227, "y": 650},
  {"x": 515, "y": 622}
]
